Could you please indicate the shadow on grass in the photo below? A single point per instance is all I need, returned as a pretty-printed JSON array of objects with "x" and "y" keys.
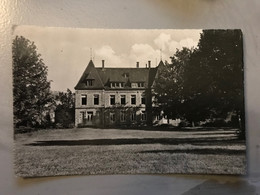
[
  {"x": 132, "y": 141},
  {"x": 216, "y": 133},
  {"x": 198, "y": 151}
]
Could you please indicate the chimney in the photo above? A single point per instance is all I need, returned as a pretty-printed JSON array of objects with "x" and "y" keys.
[
  {"x": 137, "y": 64},
  {"x": 145, "y": 65},
  {"x": 103, "y": 64},
  {"x": 149, "y": 64}
]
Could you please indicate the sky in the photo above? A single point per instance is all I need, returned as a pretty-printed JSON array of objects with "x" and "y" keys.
[{"x": 67, "y": 51}]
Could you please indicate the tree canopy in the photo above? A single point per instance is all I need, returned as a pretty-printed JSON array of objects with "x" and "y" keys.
[
  {"x": 205, "y": 82},
  {"x": 31, "y": 89}
]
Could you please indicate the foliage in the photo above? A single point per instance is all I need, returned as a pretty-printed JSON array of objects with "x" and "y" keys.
[
  {"x": 205, "y": 82},
  {"x": 65, "y": 109},
  {"x": 168, "y": 89},
  {"x": 214, "y": 77},
  {"x": 31, "y": 89}
]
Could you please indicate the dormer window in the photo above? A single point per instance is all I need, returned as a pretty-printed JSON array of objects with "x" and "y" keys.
[
  {"x": 141, "y": 84},
  {"x": 117, "y": 85},
  {"x": 89, "y": 82},
  {"x": 134, "y": 85},
  {"x": 137, "y": 85},
  {"x": 112, "y": 85}
]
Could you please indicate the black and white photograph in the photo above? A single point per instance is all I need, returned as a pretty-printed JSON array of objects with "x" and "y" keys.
[{"x": 128, "y": 101}]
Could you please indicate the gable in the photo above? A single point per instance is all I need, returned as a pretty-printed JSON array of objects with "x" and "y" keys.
[
  {"x": 90, "y": 74},
  {"x": 155, "y": 74}
]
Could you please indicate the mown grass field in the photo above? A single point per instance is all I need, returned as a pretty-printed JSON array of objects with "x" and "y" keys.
[{"x": 113, "y": 151}]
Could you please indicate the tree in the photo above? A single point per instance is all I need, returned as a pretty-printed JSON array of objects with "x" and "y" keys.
[
  {"x": 31, "y": 89},
  {"x": 169, "y": 84},
  {"x": 214, "y": 78},
  {"x": 65, "y": 109},
  {"x": 205, "y": 82}
]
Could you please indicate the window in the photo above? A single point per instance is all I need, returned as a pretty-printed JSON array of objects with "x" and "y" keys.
[
  {"x": 112, "y": 117},
  {"x": 81, "y": 117},
  {"x": 133, "y": 116},
  {"x": 112, "y": 99},
  {"x": 96, "y": 99},
  {"x": 143, "y": 100},
  {"x": 123, "y": 102},
  {"x": 83, "y": 100},
  {"x": 117, "y": 85},
  {"x": 112, "y": 85},
  {"x": 133, "y": 99},
  {"x": 90, "y": 82},
  {"x": 143, "y": 116},
  {"x": 141, "y": 84},
  {"x": 134, "y": 85},
  {"x": 122, "y": 116}
]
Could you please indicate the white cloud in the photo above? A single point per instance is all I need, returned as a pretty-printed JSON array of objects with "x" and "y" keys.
[
  {"x": 162, "y": 41},
  {"x": 173, "y": 46},
  {"x": 142, "y": 53},
  {"x": 188, "y": 43},
  {"x": 107, "y": 53}
]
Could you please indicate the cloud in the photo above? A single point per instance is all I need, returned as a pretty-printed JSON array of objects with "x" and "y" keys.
[
  {"x": 169, "y": 46},
  {"x": 162, "y": 41},
  {"x": 173, "y": 46},
  {"x": 188, "y": 43},
  {"x": 107, "y": 53},
  {"x": 144, "y": 52}
]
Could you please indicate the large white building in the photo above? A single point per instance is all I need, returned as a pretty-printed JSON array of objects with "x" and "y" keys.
[{"x": 115, "y": 96}]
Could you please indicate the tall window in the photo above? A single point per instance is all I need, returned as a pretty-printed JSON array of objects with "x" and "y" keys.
[
  {"x": 96, "y": 99},
  {"x": 84, "y": 100},
  {"x": 112, "y": 117},
  {"x": 143, "y": 99},
  {"x": 122, "y": 116},
  {"x": 112, "y": 99},
  {"x": 90, "y": 82},
  {"x": 143, "y": 116},
  {"x": 123, "y": 102},
  {"x": 133, "y": 116},
  {"x": 133, "y": 99}
]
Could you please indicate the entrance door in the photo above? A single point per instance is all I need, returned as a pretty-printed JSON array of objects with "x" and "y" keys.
[{"x": 89, "y": 118}]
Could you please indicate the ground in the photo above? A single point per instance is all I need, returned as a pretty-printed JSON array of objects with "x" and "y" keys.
[{"x": 121, "y": 151}]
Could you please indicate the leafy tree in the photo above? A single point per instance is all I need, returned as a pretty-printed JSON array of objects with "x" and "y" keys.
[
  {"x": 205, "y": 82},
  {"x": 31, "y": 89},
  {"x": 65, "y": 109},
  {"x": 214, "y": 77},
  {"x": 169, "y": 84}
]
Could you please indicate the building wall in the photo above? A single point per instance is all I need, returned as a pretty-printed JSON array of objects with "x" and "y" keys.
[{"x": 104, "y": 102}]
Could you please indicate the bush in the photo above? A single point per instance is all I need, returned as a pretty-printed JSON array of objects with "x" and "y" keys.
[{"x": 23, "y": 129}]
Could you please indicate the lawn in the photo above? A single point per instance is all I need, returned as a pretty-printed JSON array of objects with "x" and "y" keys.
[{"x": 115, "y": 151}]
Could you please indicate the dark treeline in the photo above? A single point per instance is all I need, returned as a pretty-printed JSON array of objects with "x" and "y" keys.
[{"x": 205, "y": 83}]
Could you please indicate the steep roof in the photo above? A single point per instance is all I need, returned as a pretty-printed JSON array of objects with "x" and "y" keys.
[
  {"x": 91, "y": 74},
  {"x": 103, "y": 76}
]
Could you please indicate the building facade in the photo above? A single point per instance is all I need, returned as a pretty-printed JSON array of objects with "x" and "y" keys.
[{"x": 107, "y": 97}]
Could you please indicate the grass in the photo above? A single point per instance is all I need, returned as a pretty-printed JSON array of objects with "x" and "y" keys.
[{"x": 111, "y": 151}]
